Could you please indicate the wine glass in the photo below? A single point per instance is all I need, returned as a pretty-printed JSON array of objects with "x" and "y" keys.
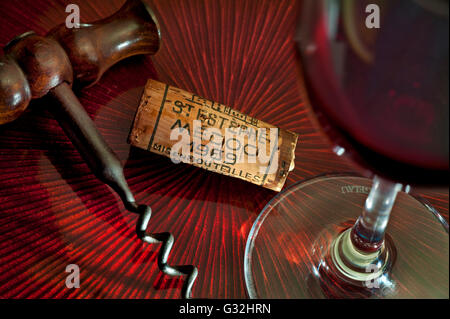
[{"x": 376, "y": 80}]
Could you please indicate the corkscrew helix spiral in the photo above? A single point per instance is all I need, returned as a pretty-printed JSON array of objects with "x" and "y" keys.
[{"x": 167, "y": 241}]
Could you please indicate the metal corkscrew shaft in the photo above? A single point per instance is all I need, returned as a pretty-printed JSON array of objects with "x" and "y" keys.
[
  {"x": 35, "y": 66},
  {"x": 83, "y": 134}
]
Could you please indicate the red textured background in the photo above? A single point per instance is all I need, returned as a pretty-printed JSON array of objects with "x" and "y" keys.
[{"x": 53, "y": 212}]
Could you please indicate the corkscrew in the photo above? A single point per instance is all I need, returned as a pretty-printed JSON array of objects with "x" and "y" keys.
[{"x": 34, "y": 66}]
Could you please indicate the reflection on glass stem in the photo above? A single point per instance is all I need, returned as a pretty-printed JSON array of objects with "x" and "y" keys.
[{"x": 369, "y": 229}]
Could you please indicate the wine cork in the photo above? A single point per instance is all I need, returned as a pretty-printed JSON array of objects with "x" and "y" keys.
[{"x": 207, "y": 134}]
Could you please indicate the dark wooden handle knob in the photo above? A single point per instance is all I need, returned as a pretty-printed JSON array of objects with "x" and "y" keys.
[
  {"x": 31, "y": 67},
  {"x": 15, "y": 93},
  {"x": 95, "y": 47},
  {"x": 42, "y": 60}
]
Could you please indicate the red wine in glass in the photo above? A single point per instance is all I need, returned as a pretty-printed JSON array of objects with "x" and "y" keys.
[
  {"x": 381, "y": 94},
  {"x": 376, "y": 77}
]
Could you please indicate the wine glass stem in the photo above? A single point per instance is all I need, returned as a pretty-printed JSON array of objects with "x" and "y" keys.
[{"x": 368, "y": 232}]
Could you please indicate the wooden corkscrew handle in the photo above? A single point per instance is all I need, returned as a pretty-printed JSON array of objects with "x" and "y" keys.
[
  {"x": 95, "y": 47},
  {"x": 32, "y": 64}
]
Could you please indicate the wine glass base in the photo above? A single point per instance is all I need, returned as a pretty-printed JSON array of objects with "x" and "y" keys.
[{"x": 290, "y": 249}]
